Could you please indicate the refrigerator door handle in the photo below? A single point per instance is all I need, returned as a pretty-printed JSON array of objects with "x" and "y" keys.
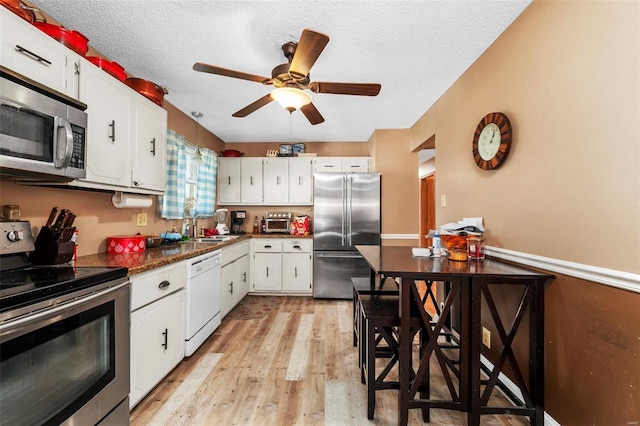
[
  {"x": 349, "y": 206},
  {"x": 344, "y": 211}
]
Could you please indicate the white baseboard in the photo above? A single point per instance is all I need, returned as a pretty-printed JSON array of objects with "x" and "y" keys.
[
  {"x": 399, "y": 236},
  {"x": 611, "y": 277},
  {"x": 548, "y": 420}
]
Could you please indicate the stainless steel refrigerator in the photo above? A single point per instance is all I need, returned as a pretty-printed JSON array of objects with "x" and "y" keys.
[{"x": 346, "y": 213}]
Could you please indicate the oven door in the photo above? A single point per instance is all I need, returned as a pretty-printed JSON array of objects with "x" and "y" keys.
[{"x": 68, "y": 364}]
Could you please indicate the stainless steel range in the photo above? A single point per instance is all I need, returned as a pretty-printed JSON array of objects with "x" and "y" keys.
[{"x": 64, "y": 339}]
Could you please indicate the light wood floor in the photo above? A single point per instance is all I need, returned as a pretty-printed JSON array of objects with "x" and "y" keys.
[{"x": 296, "y": 365}]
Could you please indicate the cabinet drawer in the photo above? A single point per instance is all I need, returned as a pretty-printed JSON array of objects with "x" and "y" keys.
[
  {"x": 330, "y": 164},
  {"x": 149, "y": 286},
  {"x": 267, "y": 245},
  {"x": 297, "y": 245},
  {"x": 235, "y": 251}
]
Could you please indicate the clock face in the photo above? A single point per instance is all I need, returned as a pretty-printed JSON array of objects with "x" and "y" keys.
[{"x": 491, "y": 141}]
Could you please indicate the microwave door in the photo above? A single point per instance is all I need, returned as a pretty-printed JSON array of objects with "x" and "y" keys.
[{"x": 26, "y": 133}]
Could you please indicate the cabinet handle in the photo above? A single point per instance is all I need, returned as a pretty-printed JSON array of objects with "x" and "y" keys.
[
  {"x": 153, "y": 146},
  {"x": 328, "y": 165},
  {"x": 251, "y": 179},
  {"x": 231, "y": 287},
  {"x": 300, "y": 180},
  {"x": 164, "y": 284},
  {"x": 165, "y": 333},
  {"x": 229, "y": 180},
  {"x": 277, "y": 180},
  {"x": 267, "y": 246},
  {"x": 113, "y": 131},
  {"x": 295, "y": 271},
  {"x": 267, "y": 272},
  {"x": 33, "y": 55},
  {"x": 296, "y": 247},
  {"x": 244, "y": 277}
]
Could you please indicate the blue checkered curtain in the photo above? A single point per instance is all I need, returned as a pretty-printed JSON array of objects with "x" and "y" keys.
[
  {"x": 173, "y": 199},
  {"x": 206, "y": 187}
]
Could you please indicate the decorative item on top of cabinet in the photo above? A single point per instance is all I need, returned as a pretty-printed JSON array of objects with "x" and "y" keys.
[{"x": 491, "y": 141}]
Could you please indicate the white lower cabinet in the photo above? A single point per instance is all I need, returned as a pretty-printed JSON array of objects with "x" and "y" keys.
[
  {"x": 235, "y": 275},
  {"x": 282, "y": 265},
  {"x": 157, "y": 326}
]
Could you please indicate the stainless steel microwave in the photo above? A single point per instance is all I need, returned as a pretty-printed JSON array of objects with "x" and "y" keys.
[{"x": 42, "y": 132}]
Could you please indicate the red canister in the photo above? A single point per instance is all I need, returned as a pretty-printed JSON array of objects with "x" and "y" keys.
[{"x": 120, "y": 244}]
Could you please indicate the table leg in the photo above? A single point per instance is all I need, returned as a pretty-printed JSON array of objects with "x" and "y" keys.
[
  {"x": 474, "y": 331},
  {"x": 405, "y": 351},
  {"x": 536, "y": 351}
]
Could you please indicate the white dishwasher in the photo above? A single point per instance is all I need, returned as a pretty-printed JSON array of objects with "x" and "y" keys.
[{"x": 204, "y": 299}]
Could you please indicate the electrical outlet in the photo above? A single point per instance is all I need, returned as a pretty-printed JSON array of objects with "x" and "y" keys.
[
  {"x": 486, "y": 337},
  {"x": 141, "y": 220},
  {"x": 443, "y": 200}
]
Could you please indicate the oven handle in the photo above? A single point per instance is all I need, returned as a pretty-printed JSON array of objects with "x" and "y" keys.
[{"x": 28, "y": 319}]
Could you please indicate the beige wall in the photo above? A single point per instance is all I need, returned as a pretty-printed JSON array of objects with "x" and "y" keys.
[
  {"x": 567, "y": 76},
  {"x": 567, "y": 73}
]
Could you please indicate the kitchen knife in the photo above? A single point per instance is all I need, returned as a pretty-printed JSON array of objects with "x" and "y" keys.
[
  {"x": 60, "y": 220},
  {"x": 52, "y": 216},
  {"x": 68, "y": 220}
]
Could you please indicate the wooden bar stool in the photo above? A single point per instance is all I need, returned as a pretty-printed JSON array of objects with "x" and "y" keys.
[
  {"x": 384, "y": 286},
  {"x": 380, "y": 341}
]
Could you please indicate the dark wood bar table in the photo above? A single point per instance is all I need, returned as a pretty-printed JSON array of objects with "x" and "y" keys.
[{"x": 467, "y": 284}]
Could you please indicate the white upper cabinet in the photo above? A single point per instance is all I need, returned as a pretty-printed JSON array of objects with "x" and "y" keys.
[
  {"x": 342, "y": 164},
  {"x": 148, "y": 143},
  {"x": 32, "y": 53},
  {"x": 251, "y": 178},
  {"x": 300, "y": 181},
  {"x": 108, "y": 154},
  {"x": 229, "y": 181},
  {"x": 276, "y": 181}
]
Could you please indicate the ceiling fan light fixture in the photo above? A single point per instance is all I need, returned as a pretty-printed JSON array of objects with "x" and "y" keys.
[{"x": 291, "y": 98}]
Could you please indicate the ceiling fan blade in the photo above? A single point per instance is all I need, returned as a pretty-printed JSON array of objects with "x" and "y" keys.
[
  {"x": 198, "y": 66},
  {"x": 309, "y": 48},
  {"x": 311, "y": 112},
  {"x": 361, "y": 89},
  {"x": 253, "y": 106}
]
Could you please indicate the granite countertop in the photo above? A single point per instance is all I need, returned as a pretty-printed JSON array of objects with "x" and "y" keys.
[{"x": 166, "y": 253}]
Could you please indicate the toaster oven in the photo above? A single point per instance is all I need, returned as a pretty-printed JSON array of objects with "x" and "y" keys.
[{"x": 278, "y": 222}]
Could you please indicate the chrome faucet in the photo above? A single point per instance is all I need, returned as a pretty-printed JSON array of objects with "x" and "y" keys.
[{"x": 195, "y": 225}]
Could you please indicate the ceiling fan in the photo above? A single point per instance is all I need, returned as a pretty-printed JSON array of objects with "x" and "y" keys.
[{"x": 290, "y": 80}]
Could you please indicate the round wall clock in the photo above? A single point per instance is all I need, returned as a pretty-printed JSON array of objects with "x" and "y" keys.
[{"x": 492, "y": 141}]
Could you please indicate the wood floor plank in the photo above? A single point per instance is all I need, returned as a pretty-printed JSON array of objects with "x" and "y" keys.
[{"x": 295, "y": 365}]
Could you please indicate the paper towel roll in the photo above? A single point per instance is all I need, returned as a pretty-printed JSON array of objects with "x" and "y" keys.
[{"x": 130, "y": 201}]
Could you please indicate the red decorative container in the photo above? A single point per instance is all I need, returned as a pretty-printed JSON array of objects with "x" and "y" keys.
[
  {"x": 120, "y": 244},
  {"x": 70, "y": 38},
  {"x": 111, "y": 67}
]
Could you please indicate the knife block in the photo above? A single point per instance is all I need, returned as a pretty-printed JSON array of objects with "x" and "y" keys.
[{"x": 48, "y": 251}]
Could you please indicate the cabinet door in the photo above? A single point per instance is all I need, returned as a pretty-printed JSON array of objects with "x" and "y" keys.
[
  {"x": 229, "y": 283},
  {"x": 157, "y": 342},
  {"x": 243, "y": 278},
  {"x": 229, "y": 181},
  {"x": 30, "y": 52},
  {"x": 327, "y": 164},
  {"x": 148, "y": 144},
  {"x": 267, "y": 272},
  {"x": 251, "y": 171},
  {"x": 108, "y": 154},
  {"x": 300, "y": 181},
  {"x": 276, "y": 180},
  {"x": 296, "y": 272},
  {"x": 355, "y": 164}
]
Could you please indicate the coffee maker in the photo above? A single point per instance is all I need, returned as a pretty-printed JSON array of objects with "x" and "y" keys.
[{"x": 237, "y": 221}]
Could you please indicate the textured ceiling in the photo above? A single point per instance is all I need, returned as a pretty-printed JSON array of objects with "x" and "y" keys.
[{"x": 414, "y": 49}]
